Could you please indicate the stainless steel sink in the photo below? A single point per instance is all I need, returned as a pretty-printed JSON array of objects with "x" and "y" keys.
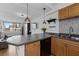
[{"x": 76, "y": 38}]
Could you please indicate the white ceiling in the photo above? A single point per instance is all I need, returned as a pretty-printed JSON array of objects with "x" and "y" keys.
[{"x": 13, "y": 11}]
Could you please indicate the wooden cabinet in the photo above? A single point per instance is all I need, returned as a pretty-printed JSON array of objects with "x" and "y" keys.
[
  {"x": 53, "y": 45},
  {"x": 74, "y": 10},
  {"x": 71, "y": 48},
  {"x": 57, "y": 46},
  {"x": 69, "y": 12},
  {"x": 63, "y": 13},
  {"x": 32, "y": 49},
  {"x": 63, "y": 47}
]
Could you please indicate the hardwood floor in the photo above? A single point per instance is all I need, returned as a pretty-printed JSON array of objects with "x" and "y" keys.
[{"x": 10, "y": 51}]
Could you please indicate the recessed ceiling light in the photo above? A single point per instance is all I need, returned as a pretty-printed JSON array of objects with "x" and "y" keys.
[{"x": 23, "y": 15}]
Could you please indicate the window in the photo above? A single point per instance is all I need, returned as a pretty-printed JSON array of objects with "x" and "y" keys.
[
  {"x": 7, "y": 24},
  {"x": 11, "y": 26}
]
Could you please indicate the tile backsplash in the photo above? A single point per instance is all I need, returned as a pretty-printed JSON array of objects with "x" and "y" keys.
[{"x": 64, "y": 25}]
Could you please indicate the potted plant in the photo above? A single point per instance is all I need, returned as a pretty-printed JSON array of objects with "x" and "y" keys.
[{"x": 44, "y": 30}]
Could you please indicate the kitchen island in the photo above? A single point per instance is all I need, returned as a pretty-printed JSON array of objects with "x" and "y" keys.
[{"x": 28, "y": 45}]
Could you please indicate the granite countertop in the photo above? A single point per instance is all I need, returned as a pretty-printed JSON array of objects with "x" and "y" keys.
[
  {"x": 19, "y": 40},
  {"x": 65, "y": 36}
]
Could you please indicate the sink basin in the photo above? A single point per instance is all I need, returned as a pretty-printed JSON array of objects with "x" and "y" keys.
[{"x": 76, "y": 38}]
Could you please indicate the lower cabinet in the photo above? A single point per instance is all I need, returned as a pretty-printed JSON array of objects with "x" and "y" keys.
[
  {"x": 53, "y": 48},
  {"x": 71, "y": 48},
  {"x": 57, "y": 46},
  {"x": 32, "y": 49},
  {"x": 63, "y": 47},
  {"x": 38, "y": 48}
]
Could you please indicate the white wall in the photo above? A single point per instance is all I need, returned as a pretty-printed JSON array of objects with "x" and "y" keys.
[
  {"x": 51, "y": 30},
  {"x": 55, "y": 29},
  {"x": 51, "y": 14},
  {"x": 64, "y": 26}
]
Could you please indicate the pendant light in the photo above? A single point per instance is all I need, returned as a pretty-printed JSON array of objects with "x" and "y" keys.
[
  {"x": 27, "y": 19},
  {"x": 44, "y": 22},
  {"x": 27, "y": 24}
]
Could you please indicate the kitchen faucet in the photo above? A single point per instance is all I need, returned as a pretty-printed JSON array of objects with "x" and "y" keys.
[{"x": 70, "y": 30}]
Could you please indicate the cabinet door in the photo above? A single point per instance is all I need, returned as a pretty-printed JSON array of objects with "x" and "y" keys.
[
  {"x": 63, "y": 13},
  {"x": 72, "y": 50},
  {"x": 74, "y": 10},
  {"x": 53, "y": 45},
  {"x": 32, "y": 49},
  {"x": 59, "y": 50},
  {"x": 57, "y": 46}
]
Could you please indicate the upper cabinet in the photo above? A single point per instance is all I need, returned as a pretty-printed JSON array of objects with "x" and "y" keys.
[
  {"x": 74, "y": 10},
  {"x": 69, "y": 12},
  {"x": 63, "y": 13}
]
